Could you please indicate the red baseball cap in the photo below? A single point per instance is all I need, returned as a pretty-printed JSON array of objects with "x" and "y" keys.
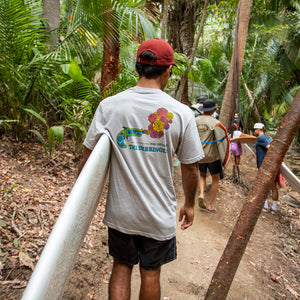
[{"x": 162, "y": 49}]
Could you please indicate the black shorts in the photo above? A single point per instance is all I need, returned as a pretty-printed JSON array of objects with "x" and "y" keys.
[
  {"x": 133, "y": 249},
  {"x": 214, "y": 167}
]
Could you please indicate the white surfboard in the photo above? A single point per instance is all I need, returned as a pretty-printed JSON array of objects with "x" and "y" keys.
[
  {"x": 52, "y": 271},
  {"x": 288, "y": 175},
  {"x": 291, "y": 178}
]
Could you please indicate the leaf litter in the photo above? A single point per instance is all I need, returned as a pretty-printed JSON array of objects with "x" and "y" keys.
[{"x": 34, "y": 187}]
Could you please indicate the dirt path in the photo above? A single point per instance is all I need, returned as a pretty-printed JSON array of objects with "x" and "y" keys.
[
  {"x": 33, "y": 189},
  {"x": 266, "y": 271}
]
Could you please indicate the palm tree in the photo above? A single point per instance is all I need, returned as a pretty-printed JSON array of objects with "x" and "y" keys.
[
  {"x": 181, "y": 24},
  {"x": 21, "y": 39},
  {"x": 184, "y": 79},
  {"x": 31, "y": 75},
  {"x": 51, "y": 12},
  {"x": 109, "y": 20},
  {"x": 271, "y": 72},
  {"x": 232, "y": 88}
]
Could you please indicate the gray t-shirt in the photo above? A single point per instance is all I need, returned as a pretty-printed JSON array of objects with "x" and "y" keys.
[{"x": 146, "y": 128}]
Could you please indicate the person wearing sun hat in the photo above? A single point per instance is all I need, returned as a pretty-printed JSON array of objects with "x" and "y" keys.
[
  {"x": 146, "y": 127},
  {"x": 262, "y": 145},
  {"x": 205, "y": 125}
]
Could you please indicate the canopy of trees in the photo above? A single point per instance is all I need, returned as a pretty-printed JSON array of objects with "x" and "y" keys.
[{"x": 60, "y": 58}]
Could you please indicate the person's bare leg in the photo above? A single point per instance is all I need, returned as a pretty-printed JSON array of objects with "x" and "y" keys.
[
  {"x": 120, "y": 281},
  {"x": 213, "y": 191},
  {"x": 238, "y": 161},
  {"x": 202, "y": 184},
  {"x": 232, "y": 159},
  {"x": 150, "y": 285},
  {"x": 274, "y": 197}
]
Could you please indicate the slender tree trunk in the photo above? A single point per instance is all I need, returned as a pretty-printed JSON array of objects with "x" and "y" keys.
[
  {"x": 51, "y": 12},
  {"x": 232, "y": 87},
  {"x": 251, "y": 102},
  {"x": 111, "y": 52},
  {"x": 164, "y": 20},
  {"x": 181, "y": 24},
  {"x": 237, "y": 243},
  {"x": 184, "y": 79}
]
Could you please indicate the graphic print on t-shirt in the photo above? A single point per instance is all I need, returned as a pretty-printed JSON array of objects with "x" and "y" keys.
[{"x": 160, "y": 121}]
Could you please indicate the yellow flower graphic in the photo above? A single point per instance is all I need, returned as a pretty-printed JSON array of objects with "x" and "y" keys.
[
  {"x": 158, "y": 125},
  {"x": 170, "y": 116}
]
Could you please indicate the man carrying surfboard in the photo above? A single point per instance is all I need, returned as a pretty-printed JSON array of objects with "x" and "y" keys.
[
  {"x": 206, "y": 125},
  {"x": 146, "y": 128},
  {"x": 262, "y": 145}
]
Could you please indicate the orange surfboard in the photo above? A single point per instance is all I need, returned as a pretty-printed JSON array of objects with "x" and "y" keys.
[{"x": 224, "y": 143}]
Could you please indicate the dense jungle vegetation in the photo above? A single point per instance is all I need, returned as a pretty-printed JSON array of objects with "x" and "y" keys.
[{"x": 58, "y": 59}]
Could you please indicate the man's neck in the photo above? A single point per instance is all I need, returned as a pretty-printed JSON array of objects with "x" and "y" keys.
[
  {"x": 149, "y": 83},
  {"x": 208, "y": 113}
]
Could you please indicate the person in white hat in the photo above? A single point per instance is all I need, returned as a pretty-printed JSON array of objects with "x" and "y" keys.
[{"x": 262, "y": 145}]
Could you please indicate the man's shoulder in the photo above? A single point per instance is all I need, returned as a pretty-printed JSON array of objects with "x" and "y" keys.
[
  {"x": 263, "y": 141},
  {"x": 263, "y": 137}
]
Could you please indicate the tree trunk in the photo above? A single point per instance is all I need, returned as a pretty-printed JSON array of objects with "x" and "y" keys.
[
  {"x": 251, "y": 102},
  {"x": 111, "y": 53},
  {"x": 164, "y": 20},
  {"x": 232, "y": 86},
  {"x": 181, "y": 24},
  {"x": 51, "y": 12},
  {"x": 184, "y": 79},
  {"x": 237, "y": 243}
]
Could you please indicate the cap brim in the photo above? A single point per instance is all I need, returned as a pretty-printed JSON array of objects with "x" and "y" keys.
[{"x": 210, "y": 108}]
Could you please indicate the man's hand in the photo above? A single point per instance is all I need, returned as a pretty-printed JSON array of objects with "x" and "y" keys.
[
  {"x": 189, "y": 175},
  {"x": 187, "y": 215}
]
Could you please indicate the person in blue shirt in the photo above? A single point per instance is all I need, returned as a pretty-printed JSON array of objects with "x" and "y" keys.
[{"x": 262, "y": 145}]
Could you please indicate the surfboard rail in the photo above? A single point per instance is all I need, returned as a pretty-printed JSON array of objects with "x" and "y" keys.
[
  {"x": 246, "y": 139},
  {"x": 52, "y": 271},
  {"x": 289, "y": 176},
  {"x": 224, "y": 146}
]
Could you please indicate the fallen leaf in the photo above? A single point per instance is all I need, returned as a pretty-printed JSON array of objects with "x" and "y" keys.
[{"x": 25, "y": 260}]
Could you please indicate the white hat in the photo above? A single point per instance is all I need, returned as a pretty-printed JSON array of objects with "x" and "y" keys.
[{"x": 259, "y": 126}]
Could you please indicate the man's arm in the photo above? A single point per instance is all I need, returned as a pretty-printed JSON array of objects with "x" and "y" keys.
[
  {"x": 190, "y": 176},
  {"x": 85, "y": 155}
]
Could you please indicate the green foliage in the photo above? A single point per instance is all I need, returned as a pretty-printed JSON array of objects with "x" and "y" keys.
[
  {"x": 55, "y": 86},
  {"x": 21, "y": 36},
  {"x": 9, "y": 192},
  {"x": 79, "y": 98},
  {"x": 16, "y": 244},
  {"x": 270, "y": 75},
  {"x": 7, "y": 123},
  {"x": 47, "y": 92},
  {"x": 55, "y": 133}
]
